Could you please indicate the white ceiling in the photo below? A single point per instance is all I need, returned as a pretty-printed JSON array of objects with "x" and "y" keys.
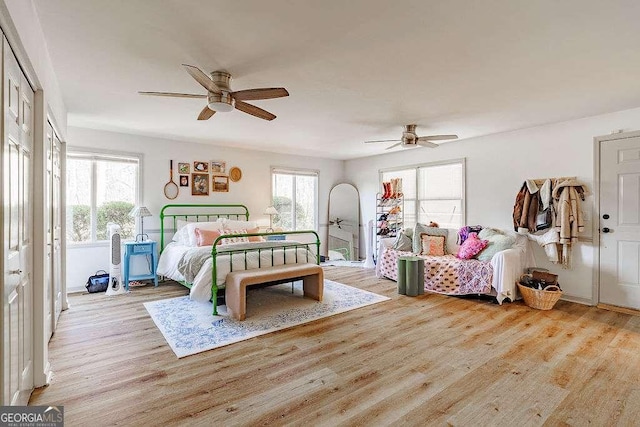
[{"x": 356, "y": 70}]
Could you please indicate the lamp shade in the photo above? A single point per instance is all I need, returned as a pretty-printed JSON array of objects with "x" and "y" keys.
[
  {"x": 271, "y": 211},
  {"x": 139, "y": 212}
]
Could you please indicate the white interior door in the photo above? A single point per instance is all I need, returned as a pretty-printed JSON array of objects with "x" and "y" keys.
[
  {"x": 56, "y": 218},
  {"x": 17, "y": 195},
  {"x": 48, "y": 214},
  {"x": 620, "y": 222}
]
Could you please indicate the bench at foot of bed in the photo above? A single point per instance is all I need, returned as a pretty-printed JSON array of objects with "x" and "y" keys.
[{"x": 237, "y": 282}]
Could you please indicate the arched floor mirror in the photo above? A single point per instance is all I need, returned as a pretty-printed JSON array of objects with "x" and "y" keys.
[{"x": 344, "y": 223}]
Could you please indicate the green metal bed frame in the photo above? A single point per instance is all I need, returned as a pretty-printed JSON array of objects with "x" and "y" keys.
[{"x": 229, "y": 212}]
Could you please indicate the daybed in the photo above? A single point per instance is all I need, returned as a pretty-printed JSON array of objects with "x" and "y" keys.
[
  {"x": 201, "y": 242},
  {"x": 452, "y": 276}
]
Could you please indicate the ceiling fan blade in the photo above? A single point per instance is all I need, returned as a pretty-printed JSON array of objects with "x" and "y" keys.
[
  {"x": 264, "y": 93},
  {"x": 393, "y": 146},
  {"x": 175, "y": 95},
  {"x": 206, "y": 113},
  {"x": 384, "y": 140},
  {"x": 427, "y": 144},
  {"x": 437, "y": 137},
  {"x": 254, "y": 111},
  {"x": 202, "y": 78}
]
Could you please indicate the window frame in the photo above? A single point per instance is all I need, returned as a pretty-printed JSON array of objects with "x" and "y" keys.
[
  {"x": 462, "y": 161},
  {"x": 299, "y": 172},
  {"x": 101, "y": 154}
]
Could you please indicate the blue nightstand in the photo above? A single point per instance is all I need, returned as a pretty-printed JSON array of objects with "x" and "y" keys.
[{"x": 146, "y": 248}]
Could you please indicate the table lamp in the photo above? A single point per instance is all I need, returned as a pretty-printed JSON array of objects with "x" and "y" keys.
[
  {"x": 271, "y": 211},
  {"x": 140, "y": 212}
]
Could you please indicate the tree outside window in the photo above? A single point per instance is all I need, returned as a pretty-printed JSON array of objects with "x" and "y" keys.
[{"x": 101, "y": 189}]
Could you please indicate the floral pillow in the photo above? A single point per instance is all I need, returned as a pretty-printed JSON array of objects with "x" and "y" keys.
[
  {"x": 471, "y": 247},
  {"x": 432, "y": 245},
  {"x": 239, "y": 239}
]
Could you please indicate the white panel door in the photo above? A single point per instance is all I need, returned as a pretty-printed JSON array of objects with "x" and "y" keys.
[
  {"x": 48, "y": 216},
  {"x": 17, "y": 194},
  {"x": 56, "y": 219},
  {"x": 620, "y": 222}
]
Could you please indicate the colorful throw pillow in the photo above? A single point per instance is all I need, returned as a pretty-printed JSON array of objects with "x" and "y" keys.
[
  {"x": 203, "y": 225},
  {"x": 432, "y": 245},
  {"x": 471, "y": 247},
  {"x": 431, "y": 231},
  {"x": 206, "y": 237},
  {"x": 255, "y": 238},
  {"x": 498, "y": 241},
  {"x": 239, "y": 239}
]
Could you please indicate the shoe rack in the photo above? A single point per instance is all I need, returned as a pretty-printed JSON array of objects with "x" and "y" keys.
[{"x": 389, "y": 211}]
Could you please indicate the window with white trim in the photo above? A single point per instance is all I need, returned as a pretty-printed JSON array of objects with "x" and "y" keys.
[
  {"x": 295, "y": 196},
  {"x": 101, "y": 188},
  {"x": 432, "y": 192}
]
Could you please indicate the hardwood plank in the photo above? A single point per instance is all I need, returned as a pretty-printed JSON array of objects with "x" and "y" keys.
[{"x": 431, "y": 359}]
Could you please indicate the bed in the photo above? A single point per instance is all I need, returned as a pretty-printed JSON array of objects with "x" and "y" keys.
[{"x": 202, "y": 263}]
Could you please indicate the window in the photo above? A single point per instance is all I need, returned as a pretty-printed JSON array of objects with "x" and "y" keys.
[
  {"x": 432, "y": 192},
  {"x": 295, "y": 197},
  {"x": 101, "y": 188}
]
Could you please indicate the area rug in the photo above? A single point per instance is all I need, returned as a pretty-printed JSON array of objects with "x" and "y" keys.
[{"x": 190, "y": 328}]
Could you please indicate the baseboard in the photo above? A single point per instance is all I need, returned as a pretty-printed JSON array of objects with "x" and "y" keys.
[
  {"x": 619, "y": 309},
  {"x": 578, "y": 300}
]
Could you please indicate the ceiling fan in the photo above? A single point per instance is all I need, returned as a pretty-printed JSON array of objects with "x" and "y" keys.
[
  {"x": 220, "y": 97},
  {"x": 410, "y": 139}
]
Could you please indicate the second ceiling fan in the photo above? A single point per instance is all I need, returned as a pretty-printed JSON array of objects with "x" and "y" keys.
[
  {"x": 220, "y": 97},
  {"x": 410, "y": 139}
]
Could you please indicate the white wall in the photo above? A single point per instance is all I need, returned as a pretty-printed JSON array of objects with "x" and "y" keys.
[
  {"x": 253, "y": 190},
  {"x": 22, "y": 28},
  {"x": 496, "y": 167}
]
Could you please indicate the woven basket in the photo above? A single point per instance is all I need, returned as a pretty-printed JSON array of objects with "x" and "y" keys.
[{"x": 540, "y": 299}]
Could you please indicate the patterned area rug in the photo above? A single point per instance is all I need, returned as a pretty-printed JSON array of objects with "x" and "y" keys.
[{"x": 189, "y": 327}]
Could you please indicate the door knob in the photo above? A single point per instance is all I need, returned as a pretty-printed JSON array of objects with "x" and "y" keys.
[
  {"x": 606, "y": 216},
  {"x": 606, "y": 230},
  {"x": 15, "y": 271}
]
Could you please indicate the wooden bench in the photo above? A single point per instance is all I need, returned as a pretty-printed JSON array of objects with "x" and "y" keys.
[{"x": 237, "y": 282}]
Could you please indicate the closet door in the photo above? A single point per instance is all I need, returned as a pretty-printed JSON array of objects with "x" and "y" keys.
[
  {"x": 48, "y": 267},
  {"x": 17, "y": 286},
  {"x": 56, "y": 226}
]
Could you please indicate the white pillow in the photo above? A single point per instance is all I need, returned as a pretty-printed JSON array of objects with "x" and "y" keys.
[
  {"x": 181, "y": 236},
  {"x": 235, "y": 224},
  {"x": 191, "y": 229}
]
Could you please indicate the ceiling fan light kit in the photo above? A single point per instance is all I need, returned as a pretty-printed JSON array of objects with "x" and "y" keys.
[
  {"x": 221, "y": 99},
  {"x": 410, "y": 139}
]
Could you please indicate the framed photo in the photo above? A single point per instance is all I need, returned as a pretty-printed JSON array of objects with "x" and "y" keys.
[
  {"x": 183, "y": 168},
  {"x": 200, "y": 167},
  {"x": 184, "y": 180},
  {"x": 220, "y": 183},
  {"x": 199, "y": 184},
  {"x": 218, "y": 167}
]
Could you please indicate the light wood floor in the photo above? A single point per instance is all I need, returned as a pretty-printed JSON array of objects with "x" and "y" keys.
[{"x": 429, "y": 360}]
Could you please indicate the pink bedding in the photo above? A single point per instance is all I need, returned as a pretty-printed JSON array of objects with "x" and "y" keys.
[{"x": 444, "y": 274}]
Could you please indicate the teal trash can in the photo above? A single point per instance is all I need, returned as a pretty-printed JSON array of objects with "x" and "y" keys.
[{"x": 410, "y": 276}]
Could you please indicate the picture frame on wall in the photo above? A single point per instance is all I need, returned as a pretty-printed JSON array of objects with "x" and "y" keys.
[
  {"x": 183, "y": 168},
  {"x": 184, "y": 180},
  {"x": 200, "y": 167},
  {"x": 220, "y": 183},
  {"x": 218, "y": 167},
  {"x": 199, "y": 184}
]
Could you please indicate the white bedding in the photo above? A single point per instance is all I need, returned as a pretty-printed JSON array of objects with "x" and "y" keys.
[{"x": 201, "y": 286}]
